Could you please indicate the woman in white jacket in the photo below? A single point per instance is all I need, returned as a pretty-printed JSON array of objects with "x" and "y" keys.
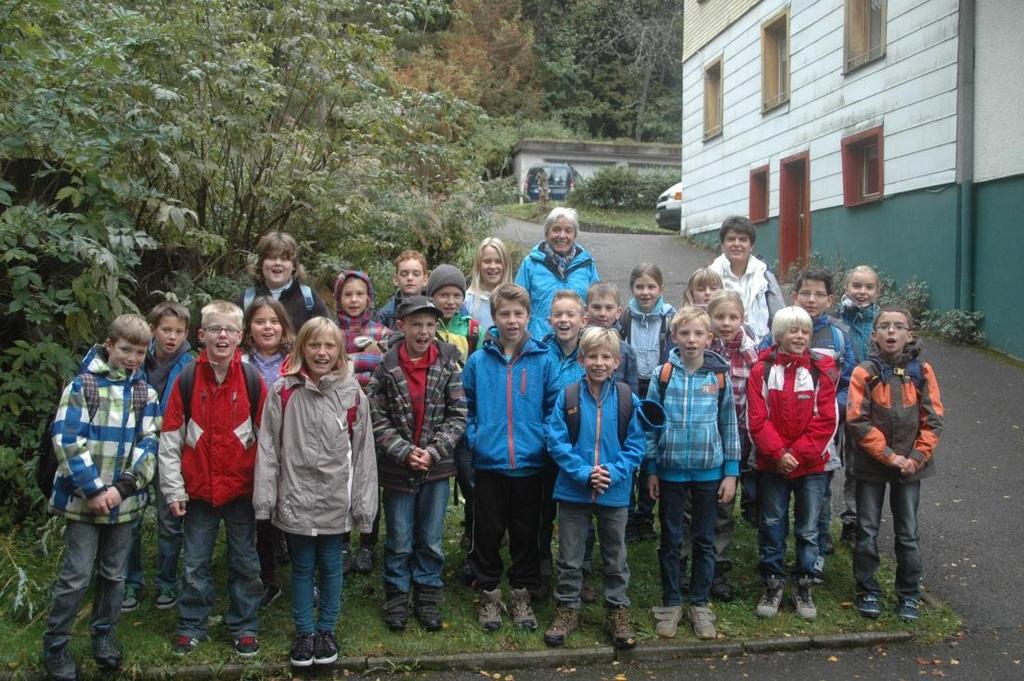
[{"x": 747, "y": 275}]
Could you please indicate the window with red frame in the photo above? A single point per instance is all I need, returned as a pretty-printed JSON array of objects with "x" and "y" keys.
[
  {"x": 863, "y": 167},
  {"x": 759, "y": 194}
]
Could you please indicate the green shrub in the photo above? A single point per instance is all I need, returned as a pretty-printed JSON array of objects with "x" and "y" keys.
[
  {"x": 955, "y": 326},
  {"x": 621, "y": 187}
]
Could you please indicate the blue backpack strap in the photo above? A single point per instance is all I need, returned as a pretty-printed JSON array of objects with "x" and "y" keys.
[
  {"x": 307, "y": 296},
  {"x": 248, "y": 295}
]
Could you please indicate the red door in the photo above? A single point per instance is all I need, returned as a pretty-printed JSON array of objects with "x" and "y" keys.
[{"x": 794, "y": 212}]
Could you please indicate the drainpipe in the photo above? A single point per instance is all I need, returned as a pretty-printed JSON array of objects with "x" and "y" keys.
[{"x": 966, "y": 226}]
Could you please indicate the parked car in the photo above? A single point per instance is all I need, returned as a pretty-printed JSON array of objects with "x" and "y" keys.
[
  {"x": 669, "y": 209},
  {"x": 562, "y": 177}
]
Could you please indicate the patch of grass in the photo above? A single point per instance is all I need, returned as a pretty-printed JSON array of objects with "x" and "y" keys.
[
  {"x": 146, "y": 633},
  {"x": 591, "y": 219}
]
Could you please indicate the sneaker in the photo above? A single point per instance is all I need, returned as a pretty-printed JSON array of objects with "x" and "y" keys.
[
  {"x": 721, "y": 590},
  {"x": 247, "y": 646},
  {"x": 768, "y": 606},
  {"x": 60, "y": 665},
  {"x": 362, "y": 563},
  {"x": 818, "y": 571},
  {"x": 869, "y": 606},
  {"x": 271, "y": 592},
  {"x": 301, "y": 654},
  {"x": 325, "y": 648},
  {"x": 666, "y": 619},
  {"x": 184, "y": 644},
  {"x": 703, "y": 621},
  {"x": 131, "y": 598},
  {"x": 563, "y": 625},
  {"x": 491, "y": 607},
  {"x": 522, "y": 610},
  {"x": 619, "y": 628},
  {"x": 587, "y": 592},
  {"x": 106, "y": 651},
  {"x": 802, "y": 600},
  {"x": 849, "y": 535},
  {"x": 166, "y": 599},
  {"x": 427, "y": 606},
  {"x": 396, "y": 610},
  {"x": 909, "y": 610}
]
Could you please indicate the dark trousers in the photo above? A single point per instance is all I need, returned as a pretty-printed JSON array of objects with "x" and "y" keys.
[
  {"x": 503, "y": 503},
  {"x": 548, "y": 513},
  {"x": 904, "y": 499}
]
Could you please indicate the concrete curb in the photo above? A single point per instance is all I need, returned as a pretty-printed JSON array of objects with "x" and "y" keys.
[{"x": 529, "y": 659}]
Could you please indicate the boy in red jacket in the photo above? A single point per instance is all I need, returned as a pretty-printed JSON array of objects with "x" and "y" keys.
[
  {"x": 207, "y": 461},
  {"x": 791, "y": 418}
]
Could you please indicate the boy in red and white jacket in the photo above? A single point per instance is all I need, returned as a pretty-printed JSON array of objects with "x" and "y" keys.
[
  {"x": 207, "y": 462},
  {"x": 791, "y": 418}
]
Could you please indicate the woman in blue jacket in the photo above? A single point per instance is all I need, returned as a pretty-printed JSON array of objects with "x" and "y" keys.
[{"x": 555, "y": 263}]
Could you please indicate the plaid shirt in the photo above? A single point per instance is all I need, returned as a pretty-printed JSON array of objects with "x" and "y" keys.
[{"x": 741, "y": 351}]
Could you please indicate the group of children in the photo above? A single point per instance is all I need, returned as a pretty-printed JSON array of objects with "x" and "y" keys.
[{"x": 294, "y": 429}]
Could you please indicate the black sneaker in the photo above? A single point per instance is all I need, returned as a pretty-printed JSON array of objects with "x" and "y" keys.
[
  {"x": 60, "y": 665},
  {"x": 271, "y": 592},
  {"x": 301, "y": 654},
  {"x": 427, "y": 606},
  {"x": 247, "y": 646},
  {"x": 396, "y": 610},
  {"x": 869, "y": 606},
  {"x": 721, "y": 590},
  {"x": 106, "y": 650},
  {"x": 362, "y": 564},
  {"x": 166, "y": 599},
  {"x": 130, "y": 601},
  {"x": 325, "y": 648},
  {"x": 184, "y": 644},
  {"x": 909, "y": 610}
]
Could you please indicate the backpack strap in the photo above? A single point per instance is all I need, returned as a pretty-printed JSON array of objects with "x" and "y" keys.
[
  {"x": 307, "y": 296},
  {"x": 186, "y": 383},
  {"x": 664, "y": 376},
  {"x": 253, "y": 382},
  {"x": 839, "y": 343},
  {"x": 91, "y": 393},
  {"x": 625, "y": 409},
  {"x": 351, "y": 415},
  {"x": 625, "y": 324},
  {"x": 248, "y": 295},
  {"x": 572, "y": 411},
  {"x": 472, "y": 336}
]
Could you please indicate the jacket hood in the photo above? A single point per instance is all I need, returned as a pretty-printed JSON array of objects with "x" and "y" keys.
[
  {"x": 96, "y": 362},
  {"x": 848, "y": 303},
  {"x": 657, "y": 311},
  {"x": 713, "y": 362},
  {"x": 340, "y": 282}
]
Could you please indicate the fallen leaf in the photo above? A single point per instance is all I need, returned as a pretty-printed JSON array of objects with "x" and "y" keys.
[
  {"x": 832, "y": 658},
  {"x": 846, "y": 604},
  {"x": 509, "y": 677},
  {"x": 620, "y": 677},
  {"x": 953, "y": 660},
  {"x": 922, "y": 660}
]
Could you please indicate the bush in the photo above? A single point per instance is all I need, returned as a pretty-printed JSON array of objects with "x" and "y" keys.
[
  {"x": 911, "y": 294},
  {"x": 621, "y": 187},
  {"x": 955, "y": 326}
]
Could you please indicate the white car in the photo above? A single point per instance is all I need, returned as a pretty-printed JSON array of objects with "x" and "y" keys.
[{"x": 668, "y": 212}]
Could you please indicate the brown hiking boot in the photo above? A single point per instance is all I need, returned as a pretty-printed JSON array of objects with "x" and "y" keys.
[
  {"x": 522, "y": 610},
  {"x": 619, "y": 629},
  {"x": 564, "y": 624},
  {"x": 491, "y": 607}
]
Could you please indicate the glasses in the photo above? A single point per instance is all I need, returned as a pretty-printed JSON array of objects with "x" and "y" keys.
[
  {"x": 216, "y": 330},
  {"x": 892, "y": 326},
  {"x": 817, "y": 295}
]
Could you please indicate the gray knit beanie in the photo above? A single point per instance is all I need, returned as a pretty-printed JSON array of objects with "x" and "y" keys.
[{"x": 446, "y": 275}]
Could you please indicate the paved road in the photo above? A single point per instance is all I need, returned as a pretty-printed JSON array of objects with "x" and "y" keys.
[{"x": 972, "y": 511}]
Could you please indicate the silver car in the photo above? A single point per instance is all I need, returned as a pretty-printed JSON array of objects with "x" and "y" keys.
[{"x": 668, "y": 212}]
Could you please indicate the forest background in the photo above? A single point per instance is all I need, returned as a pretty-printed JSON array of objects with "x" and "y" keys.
[{"x": 145, "y": 146}]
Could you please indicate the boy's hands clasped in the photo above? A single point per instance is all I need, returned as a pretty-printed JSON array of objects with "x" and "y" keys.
[
  {"x": 419, "y": 459},
  {"x": 104, "y": 503},
  {"x": 600, "y": 480},
  {"x": 906, "y": 465}
]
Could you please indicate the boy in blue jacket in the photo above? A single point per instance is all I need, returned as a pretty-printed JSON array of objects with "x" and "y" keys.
[
  {"x": 510, "y": 388},
  {"x": 697, "y": 455},
  {"x": 594, "y": 479}
]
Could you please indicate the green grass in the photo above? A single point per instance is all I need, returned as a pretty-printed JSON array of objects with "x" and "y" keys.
[
  {"x": 146, "y": 633},
  {"x": 591, "y": 219}
]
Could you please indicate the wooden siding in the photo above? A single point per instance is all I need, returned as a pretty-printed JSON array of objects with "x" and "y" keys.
[
  {"x": 704, "y": 19},
  {"x": 911, "y": 92}
]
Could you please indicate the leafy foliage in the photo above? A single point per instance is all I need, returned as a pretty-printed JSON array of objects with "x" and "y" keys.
[
  {"x": 956, "y": 326},
  {"x": 620, "y": 187}
]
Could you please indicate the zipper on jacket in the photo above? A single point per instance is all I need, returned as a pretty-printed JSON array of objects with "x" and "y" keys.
[
  {"x": 508, "y": 414},
  {"x": 597, "y": 444}
]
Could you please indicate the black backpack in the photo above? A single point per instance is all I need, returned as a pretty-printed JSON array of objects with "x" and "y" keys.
[
  {"x": 187, "y": 380},
  {"x": 46, "y": 457},
  {"x": 572, "y": 410}
]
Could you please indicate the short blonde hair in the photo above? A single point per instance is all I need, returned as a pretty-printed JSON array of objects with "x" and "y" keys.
[
  {"x": 789, "y": 317},
  {"x": 569, "y": 294},
  {"x": 703, "y": 277},
  {"x": 129, "y": 327},
  {"x": 594, "y": 337},
  {"x": 723, "y": 297},
  {"x": 687, "y": 314},
  {"x": 604, "y": 289},
  {"x": 222, "y": 308},
  {"x": 314, "y": 328},
  {"x": 509, "y": 293}
]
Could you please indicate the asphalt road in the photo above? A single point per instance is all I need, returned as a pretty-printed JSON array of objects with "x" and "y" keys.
[{"x": 971, "y": 520}]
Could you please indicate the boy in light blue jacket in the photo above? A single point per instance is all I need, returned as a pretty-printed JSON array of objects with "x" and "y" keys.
[
  {"x": 697, "y": 455},
  {"x": 510, "y": 389},
  {"x": 596, "y": 466}
]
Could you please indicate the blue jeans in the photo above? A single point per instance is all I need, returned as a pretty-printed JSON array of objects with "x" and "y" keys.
[
  {"x": 574, "y": 536},
  {"x": 168, "y": 547},
  {"x": 85, "y": 544},
  {"x": 904, "y": 498},
  {"x": 413, "y": 548},
  {"x": 703, "y": 497},
  {"x": 201, "y": 527},
  {"x": 773, "y": 492},
  {"x": 307, "y": 555}
]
